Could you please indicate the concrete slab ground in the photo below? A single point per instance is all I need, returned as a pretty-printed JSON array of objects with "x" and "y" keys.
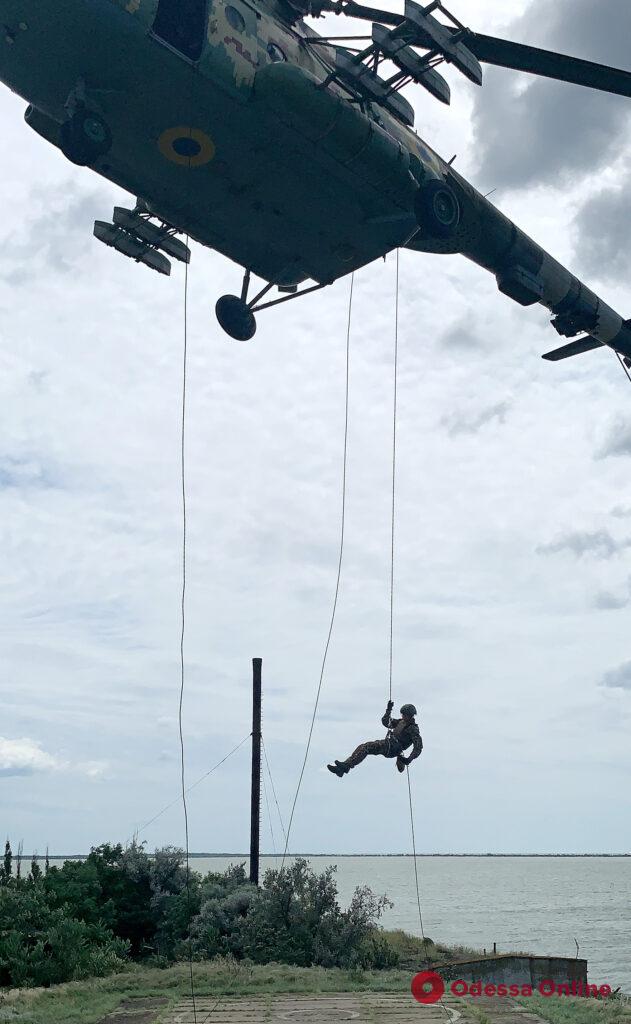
[{"x": 360, "y": 1007}]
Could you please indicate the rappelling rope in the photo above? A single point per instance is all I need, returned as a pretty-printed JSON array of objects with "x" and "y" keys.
[
  {"x": 339, "y": 573},
  {"x": 392, "y": 535},
  {"x": 392, "y": 528},
  {"x": 189, "y": 941},
  {"x": 418, "y": 892},
  {"x": 624, "y": 366},
  {"x": 187, "y": 190},
  {"x": 418, "y": 888},
  {"x": 394, "y": 470},
  {"x": 183, "y": 631}
]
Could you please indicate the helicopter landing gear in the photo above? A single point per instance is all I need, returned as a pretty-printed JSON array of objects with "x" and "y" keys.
[
  {"x": 236, "y": 315},
  {"x": 437, "y": 209},
  {"x": 84, "y": 137}
]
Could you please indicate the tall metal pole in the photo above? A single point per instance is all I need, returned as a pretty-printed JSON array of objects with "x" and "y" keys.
[{"x": 255, "y": 817}]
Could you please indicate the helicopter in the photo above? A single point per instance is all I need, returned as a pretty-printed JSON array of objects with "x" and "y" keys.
[{"x": 236, "y": 124}]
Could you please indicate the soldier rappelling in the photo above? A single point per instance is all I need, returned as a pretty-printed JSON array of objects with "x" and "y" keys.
[{"x": 402, "y": 733}]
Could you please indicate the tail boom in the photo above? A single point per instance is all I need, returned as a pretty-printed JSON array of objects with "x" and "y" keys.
[{"x": 528, "y": 274}]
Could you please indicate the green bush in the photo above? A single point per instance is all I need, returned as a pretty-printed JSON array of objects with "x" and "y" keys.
[
  {"x": 295, "y": 918},
  {"x": 44, "y": 945},
  {"x": 87, "y": 917},
  {"x": 139, "y": 897},
  {"x": 225, "y": 899}
]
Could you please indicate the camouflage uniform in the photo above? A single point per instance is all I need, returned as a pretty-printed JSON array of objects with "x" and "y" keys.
[{"x": 402, "y": 735}]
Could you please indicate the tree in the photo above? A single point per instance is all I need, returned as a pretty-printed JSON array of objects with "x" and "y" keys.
[
  {"x": 36, "y": 871},
  {"x": 7, "y": 862},
  {"x": 41, "y": 945},
  {"x": 295, "y": 918},
  {"x": 172, "y": 901},
  {"x": 225, "y": 901},
  {"x": 125, "y": 880},
  {"x": 84, "y": 917},
  {"x": 76, "y": 886},
  {"x": 140, "y": 898}
]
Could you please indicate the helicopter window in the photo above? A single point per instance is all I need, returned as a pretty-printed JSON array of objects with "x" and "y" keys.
[
  {"x": 182, "y": 24},
  {"x": 235, "y": 19},
  {"x": 275, "y": 53}
]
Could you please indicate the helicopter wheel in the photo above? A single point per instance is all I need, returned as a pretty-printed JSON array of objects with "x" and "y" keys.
[
  {"x": 84, "y": 138},
  {"x": 235, "y": 317},
  {"x": 437, "y": 209}
]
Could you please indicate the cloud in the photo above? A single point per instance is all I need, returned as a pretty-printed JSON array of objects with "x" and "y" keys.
[
  {"x": 461, "y": 336},
  {"x": 616, "y": 443},
  {"x": 607, "y": 600},
  {"x": 532, "y": 131},
  {"x": 604, "y": 600},
  {"x": 57, "y": 237},
  {"x": 459, "y": 423},
  {"x": 602, "y": 231},
  {"x": 599, "y": 543},
  {"x": 618, "y": 678},
  {"x": 90, "y": 375},
  {"x": 25, "y": 756},
  {"x": 28, "y": 471},
  {"x": 93, "y": 769}
]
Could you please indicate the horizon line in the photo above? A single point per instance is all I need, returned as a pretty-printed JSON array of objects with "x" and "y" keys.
[{"x": 275, "y": 856}]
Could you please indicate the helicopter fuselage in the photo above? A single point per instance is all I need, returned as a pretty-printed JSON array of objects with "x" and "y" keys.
[
  {"x": 287, "y": 179},
  {"x": 227, "y": 123}
]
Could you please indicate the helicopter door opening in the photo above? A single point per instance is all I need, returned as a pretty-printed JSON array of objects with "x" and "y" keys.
[{"x": 182, "y": 24}]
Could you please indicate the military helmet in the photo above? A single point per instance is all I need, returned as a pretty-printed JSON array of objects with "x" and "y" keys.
[{"x": 408, "y": 710}]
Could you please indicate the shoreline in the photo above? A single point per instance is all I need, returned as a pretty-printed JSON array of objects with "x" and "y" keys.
[{"x": 340, "y": 856}]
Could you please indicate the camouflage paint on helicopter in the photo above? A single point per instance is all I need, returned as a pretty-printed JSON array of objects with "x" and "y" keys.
[
  {"x": 224, "y": 116},
  {"x": 134, "y": 6}
]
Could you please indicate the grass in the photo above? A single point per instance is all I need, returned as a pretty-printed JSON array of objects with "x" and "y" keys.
[
  {"x": 561, "y": 1010},
  {"x": 415, "y": 953},
  {"x": 570, "y": 1010},
  {"x": 474, "y": 1013},
  {"x": 85, "y": 1002}
]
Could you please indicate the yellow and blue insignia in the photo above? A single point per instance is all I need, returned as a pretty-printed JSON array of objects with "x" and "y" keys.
[{"x": 188, "y": 147}]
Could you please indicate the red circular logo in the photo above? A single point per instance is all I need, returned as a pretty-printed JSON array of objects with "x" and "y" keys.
[{"x": 427, "y": 987}]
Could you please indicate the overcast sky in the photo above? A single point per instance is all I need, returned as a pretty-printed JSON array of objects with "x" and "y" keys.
[{"x": 513, "y": 538}]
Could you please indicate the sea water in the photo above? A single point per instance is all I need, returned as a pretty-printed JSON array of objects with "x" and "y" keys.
[{"x": 542, "y": 905}]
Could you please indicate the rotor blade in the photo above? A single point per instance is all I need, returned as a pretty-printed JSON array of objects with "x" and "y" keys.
[
  {"x": 507, "y": 54},
  {"x": 519, "y": 57}
]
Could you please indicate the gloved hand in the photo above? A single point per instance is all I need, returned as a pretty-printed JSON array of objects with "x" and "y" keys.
[
  {"x": 401, "y": 763},
  {"x": 390, "y": 707}
]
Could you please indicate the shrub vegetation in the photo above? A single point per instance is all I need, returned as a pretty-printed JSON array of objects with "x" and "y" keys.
[{"x": 121, "y": 905}]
